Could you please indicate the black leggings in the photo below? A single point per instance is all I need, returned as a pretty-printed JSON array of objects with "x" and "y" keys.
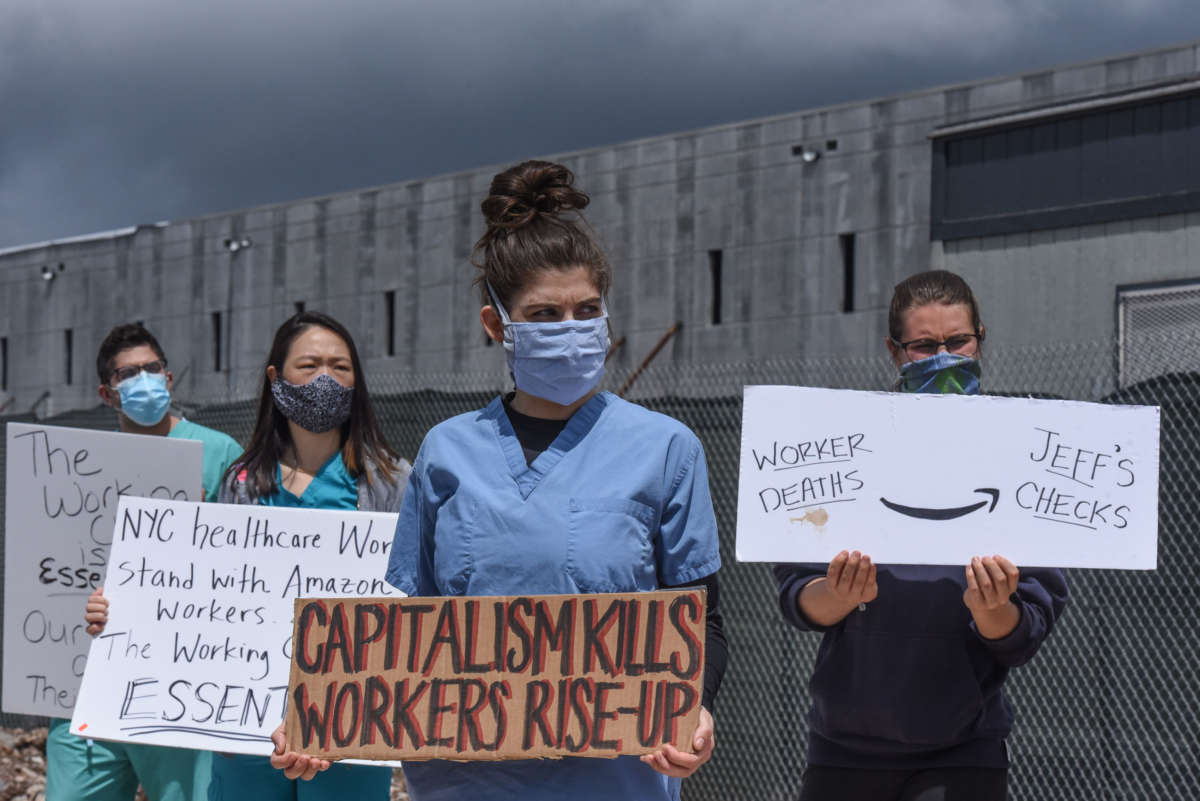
[{"x": 934, "y": 784}]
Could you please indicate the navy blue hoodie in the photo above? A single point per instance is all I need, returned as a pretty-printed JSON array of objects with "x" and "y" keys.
[{"x": 907, "y": 681}]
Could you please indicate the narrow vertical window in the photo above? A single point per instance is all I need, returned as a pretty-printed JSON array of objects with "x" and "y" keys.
[
  {"x": 299, "y": 306},
  {"x": 846, "y": 241},
  {"x": 68, "y": 342},
  {"x": 389, "y": 316},
  {"x": 714, "y": 272},
  {"x": 3, "y": 364},
  {"x": 216, "y": 341}
]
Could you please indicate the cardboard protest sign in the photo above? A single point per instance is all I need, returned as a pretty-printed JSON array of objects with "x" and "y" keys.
[
  {"x": 488, "y": 678},
  {"x": 198, "y": 641},
  {"x": 62, "y": 489},
  {"x": 937, "y": 479}
]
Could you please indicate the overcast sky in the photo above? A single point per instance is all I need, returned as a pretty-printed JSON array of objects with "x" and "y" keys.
[{"x": 132, "y": 111}]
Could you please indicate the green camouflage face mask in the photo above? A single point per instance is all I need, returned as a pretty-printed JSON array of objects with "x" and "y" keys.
[{"x": 942, "y": 373}]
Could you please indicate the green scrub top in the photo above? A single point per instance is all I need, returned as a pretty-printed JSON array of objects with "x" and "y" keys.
[
  {"x": 240, "y": 776},
  {"x": 220, "y": 451},
  {"x": 331, "y": 488}
]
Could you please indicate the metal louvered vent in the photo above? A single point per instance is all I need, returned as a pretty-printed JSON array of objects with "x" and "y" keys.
[{"x": 1159, "y": 331}]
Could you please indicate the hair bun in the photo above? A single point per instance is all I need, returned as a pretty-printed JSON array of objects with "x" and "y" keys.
[{"x": 531, "y": 189}]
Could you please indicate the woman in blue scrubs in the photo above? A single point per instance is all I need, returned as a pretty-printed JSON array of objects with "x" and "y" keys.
[
  {"x": 316, "y": 444},
  {"x": 555, "y": 488}
]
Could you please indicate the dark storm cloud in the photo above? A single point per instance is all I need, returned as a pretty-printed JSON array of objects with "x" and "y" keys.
[{"x": 135, "y": 111}]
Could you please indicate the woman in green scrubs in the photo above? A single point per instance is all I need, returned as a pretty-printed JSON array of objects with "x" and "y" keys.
[{"x": 316, "y": 444}]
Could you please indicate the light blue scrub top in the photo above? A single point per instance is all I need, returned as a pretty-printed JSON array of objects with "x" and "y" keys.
[
  {"x": 619, "y": 502},
  {"x": 220, "y": 451},
  {"x": 331, "y": 488}
]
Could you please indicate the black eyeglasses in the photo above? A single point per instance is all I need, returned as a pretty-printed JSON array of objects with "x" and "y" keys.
[
  {"x": 130, "y": 370},
  {"x": 924, "y": 348}
]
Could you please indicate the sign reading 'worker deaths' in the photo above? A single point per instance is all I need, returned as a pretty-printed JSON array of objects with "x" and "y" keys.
[
  {"x": 61, "y": 494},
  {"x": 199, "y": 635},
  {"x": 938, "y": 479},
  {"x": 487, "y": 678}
]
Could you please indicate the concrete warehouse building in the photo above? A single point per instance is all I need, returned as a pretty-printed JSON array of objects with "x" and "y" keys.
[{"x": 1068, "y": 197}]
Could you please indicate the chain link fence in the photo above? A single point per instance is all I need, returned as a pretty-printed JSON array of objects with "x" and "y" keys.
[{"x": 1109, "y": 709}]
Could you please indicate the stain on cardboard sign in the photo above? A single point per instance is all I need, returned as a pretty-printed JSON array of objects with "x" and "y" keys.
[{"x": 487, "y": 678}]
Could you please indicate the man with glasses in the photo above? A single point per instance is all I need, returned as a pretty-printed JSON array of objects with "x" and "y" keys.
[{"x": 135, "y": 381}]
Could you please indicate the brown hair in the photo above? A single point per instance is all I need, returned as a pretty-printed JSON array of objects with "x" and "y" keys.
[
  {"x": 933, "y": 286},
  {"x": 123, "y": 337},
  {"x": 363, "y": 442},
  {"x": 534, "y": 224}
]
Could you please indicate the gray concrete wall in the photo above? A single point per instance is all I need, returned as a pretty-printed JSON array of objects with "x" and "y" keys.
[
  {"x": 659, "y": 206},
  {"x": 1061, "y": 285}
]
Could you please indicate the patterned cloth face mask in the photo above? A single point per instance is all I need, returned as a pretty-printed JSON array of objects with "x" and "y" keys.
[
  {"x": 942, "y": 373},
  {"x": 145, "y": 398},
  {"x": 560, "y": 362},
  {"x": 318, "y": 406}
]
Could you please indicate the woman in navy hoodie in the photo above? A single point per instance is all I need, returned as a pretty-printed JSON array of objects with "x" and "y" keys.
[{"x": 907, "y": 691}]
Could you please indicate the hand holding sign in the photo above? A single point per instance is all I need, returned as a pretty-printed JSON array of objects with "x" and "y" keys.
[
  {"x": 95, "y": 614},
  {"x": 670, "y": 761},
  {"x": 991, "y": 582},
  {"x": 851, "y": 579},
  {"x": 294, "y": 765},
  {"x": 849, "y": 582}
]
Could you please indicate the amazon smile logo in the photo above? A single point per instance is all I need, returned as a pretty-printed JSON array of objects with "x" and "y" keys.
[{"x": 945, "y": 514}]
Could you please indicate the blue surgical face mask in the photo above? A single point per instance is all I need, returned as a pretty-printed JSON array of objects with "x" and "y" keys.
[
  {"x": 560, "y": 362},
  {"x": 941, "y": 373},
  {"x": 145, "y": 398}
]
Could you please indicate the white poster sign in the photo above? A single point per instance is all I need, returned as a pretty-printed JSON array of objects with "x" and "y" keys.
[
  {"x": 197, "y": 650},
  {"x": 61, "y": 493},
  {"x": 937, "y": 479}
]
